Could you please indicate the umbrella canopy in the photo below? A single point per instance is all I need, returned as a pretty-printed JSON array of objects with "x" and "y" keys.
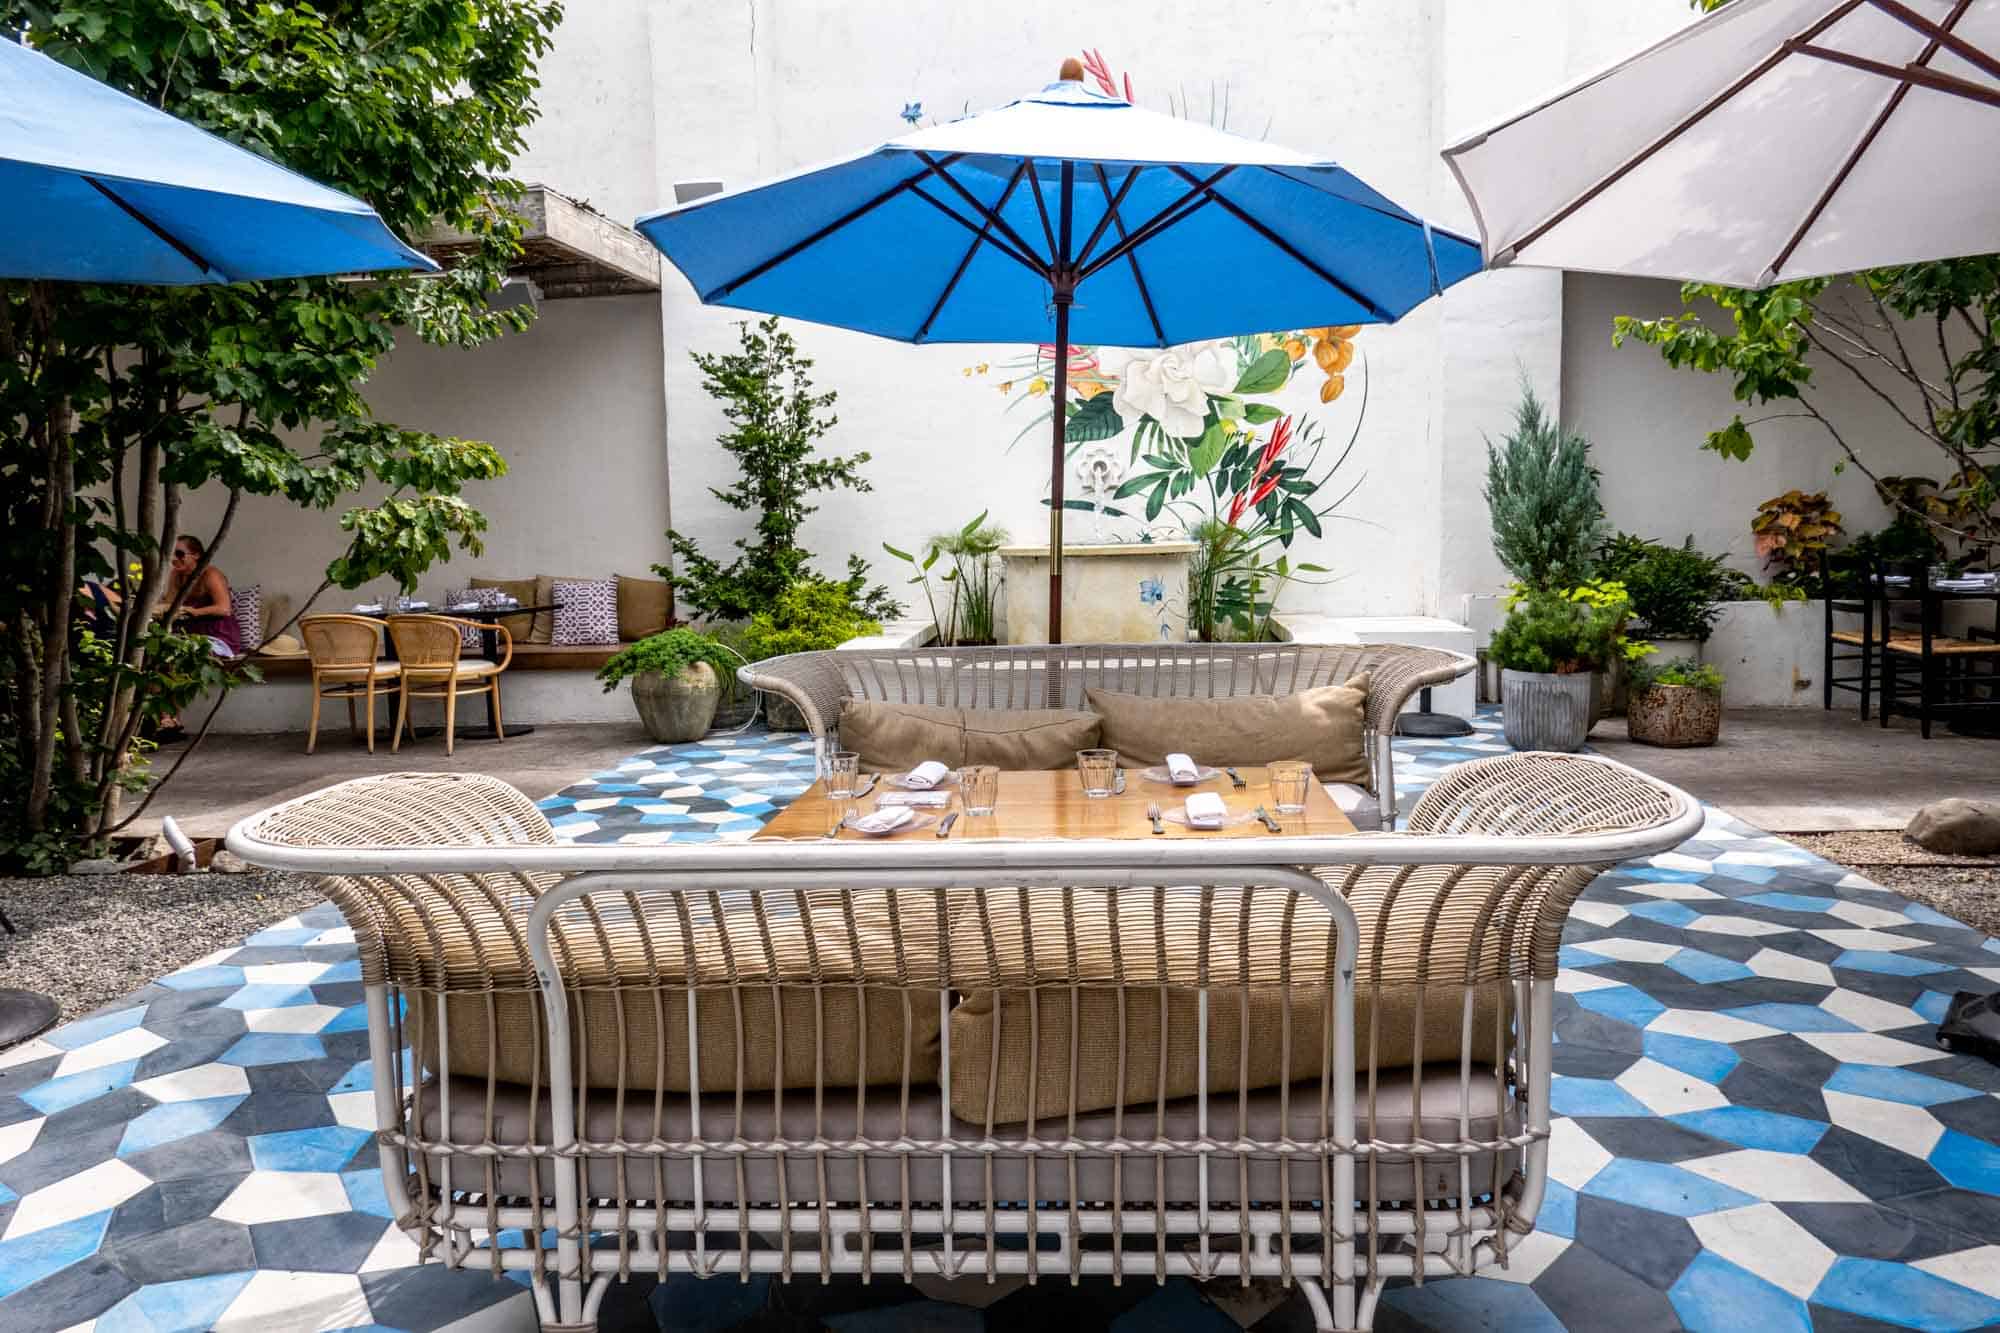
[
  {"x": 96, "y": 186},
  {"x": 1773, "y": 140},
  {"x": 1065, "y": 216}
]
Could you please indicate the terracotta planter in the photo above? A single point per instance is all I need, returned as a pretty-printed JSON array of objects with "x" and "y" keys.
[
  {"x": 1545, "y": 711},
  {"x": 679, "y": 708},
  {"x": 1675, "y": 716}
]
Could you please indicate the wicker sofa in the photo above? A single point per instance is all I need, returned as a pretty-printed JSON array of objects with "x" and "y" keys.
[
  {"x": 1324, "y": 1060},
  {"x": 819, "y": 683}
]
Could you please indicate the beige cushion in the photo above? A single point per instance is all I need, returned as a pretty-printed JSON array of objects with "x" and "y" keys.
[
  {"x": 467, "y": 668},
  {"x": 1002, "y": 1042},
  {"x": 545, "y": 592},
  {"x": 853, "y": 1034},
  {"x": 1492, "y": 1114},
  {"x": 521, "y": 627},
  {"x": 894, "y": 736},
  {"x": 1322, "y": 726},
  {"x": 386, "y": 669},
  {"x": 643, "y": 607}
]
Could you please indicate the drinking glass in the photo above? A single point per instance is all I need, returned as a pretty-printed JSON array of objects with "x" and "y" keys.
[
  {"x": 1288, "y": 785},
  {"x": 979, "y": 788},
  {"x": 841, "y": 769},
  {"x": 1099, "y": 771}
]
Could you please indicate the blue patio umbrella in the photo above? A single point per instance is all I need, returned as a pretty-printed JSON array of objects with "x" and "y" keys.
[
  {"x": 1066, "y": 215},
  {"x": 96, "y": 186}
]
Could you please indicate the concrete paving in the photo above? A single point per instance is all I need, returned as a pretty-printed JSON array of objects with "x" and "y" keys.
[
  {"x": 233, "y": 776},
  {"x": 1808, "y": 770}
]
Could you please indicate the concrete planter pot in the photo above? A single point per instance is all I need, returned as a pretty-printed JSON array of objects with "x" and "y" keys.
[
  {"x": 676, "y": 709},
  {"x": 1675, "y": 716},
  {"x": 1545, "y": 711}
]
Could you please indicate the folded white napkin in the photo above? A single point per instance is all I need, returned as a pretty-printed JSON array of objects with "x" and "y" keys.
[
  {"x": 927, "y": 774},
  {"x": 1182, "y": 769},
  {"x": 925, "y": 800},
  {"x": 1206, "y": 810},
  {"x": 884, "y": 819},
  {"x": 368, "y": 608}
]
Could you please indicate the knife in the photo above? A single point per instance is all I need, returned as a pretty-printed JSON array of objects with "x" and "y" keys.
[
  {"x": 1265, "y": 815},
  {"x": 1236, "y": 778},
  {"x": 944, "y": 825}
]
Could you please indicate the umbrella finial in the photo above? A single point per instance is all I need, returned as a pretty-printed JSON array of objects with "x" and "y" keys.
[{"x": 1071, "y": 71}]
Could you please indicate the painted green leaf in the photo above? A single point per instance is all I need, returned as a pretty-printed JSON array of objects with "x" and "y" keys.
[
  {"x": 1207, "y": 452},
  {"x": 1259, "y": 413},
  {"x": 1094, "y": 420},
  {"x": 1156, "y": 501},
  {"x": 1267, "y": 374}
]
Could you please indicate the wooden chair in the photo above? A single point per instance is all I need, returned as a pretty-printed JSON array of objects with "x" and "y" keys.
[
  {"x": 1857, "y": 595},
  {"x": 431, "y": 649},
  {"x": 1949, "y": 679},
  {"x": 347, "y": 664}
]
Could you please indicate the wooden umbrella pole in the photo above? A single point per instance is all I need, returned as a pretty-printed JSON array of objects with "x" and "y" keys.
[{"x": 1063, "y": 280}]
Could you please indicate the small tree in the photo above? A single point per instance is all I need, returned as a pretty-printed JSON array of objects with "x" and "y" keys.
[
  {"x": 1541, "y": 492},
  {"x": 775, "y": 419},
  {"x": 118, "y": 402}
]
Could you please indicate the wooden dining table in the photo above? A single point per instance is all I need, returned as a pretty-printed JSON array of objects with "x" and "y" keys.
[{"x": 1052, "y": 804}]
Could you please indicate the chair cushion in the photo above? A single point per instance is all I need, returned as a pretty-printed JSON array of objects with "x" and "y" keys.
[
  {"x": 1002, "y": 1043},
  {"x": 1324, "y": 727},
  {"x": 522, "y": 627},
  {"x": 586, "y": 612},
  {"x": 644, "y": 606},
  {"x": 895, "y": 736},
  {"x": 386, "y": 669},
  {"x": 519, "y": 1119},
  {"x": 466, "y": 668},
  {"x": 853, "y": 1034}
]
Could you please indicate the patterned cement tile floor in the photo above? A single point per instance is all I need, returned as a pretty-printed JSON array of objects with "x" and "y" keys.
[{"x": 1756, "y": 1130}]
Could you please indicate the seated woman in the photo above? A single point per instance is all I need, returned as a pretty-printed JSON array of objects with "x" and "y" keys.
[{"x": 206, "y": 612}]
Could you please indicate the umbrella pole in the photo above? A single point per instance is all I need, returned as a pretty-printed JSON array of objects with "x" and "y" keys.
[{"x": 1059, "y": 413}]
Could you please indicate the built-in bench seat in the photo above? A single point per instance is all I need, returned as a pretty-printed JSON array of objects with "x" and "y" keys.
[{"x": 527, "y": 657}]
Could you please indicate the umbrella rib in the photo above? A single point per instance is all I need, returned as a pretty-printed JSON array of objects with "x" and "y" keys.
[
  {"x": 1111, "y": 211},
  {"x": 1242, "y": 215},
  {"x": 1693, "y": 118},
  {"x": 1867, "y": 141},
  {"x": 1941, "y": 34},
  {"x": 1041, "y": 206},
  {"x": 965, "y": 261},
  {"x": 941, "y": 206},
  {"x": 805, "y": 243},
  {"x": 182, "y": 248},
  {"x": 1161, "y": 220},
  {"x": 999, "y": 223},
  {"x": 1111, "y": 202},
  {"x": 1905, "y": 74}
]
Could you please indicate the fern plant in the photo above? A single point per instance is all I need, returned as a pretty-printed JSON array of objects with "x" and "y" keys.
[{"x": 1541, "y": 493}]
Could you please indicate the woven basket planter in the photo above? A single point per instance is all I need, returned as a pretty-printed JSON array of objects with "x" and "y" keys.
[
  {"x": 1674, "y": 716},
  {"x": 1546, "y": 711}
]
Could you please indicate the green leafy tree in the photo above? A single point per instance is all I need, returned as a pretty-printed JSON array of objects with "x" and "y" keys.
[
  {"x": 1541, "y": 493},
  {"x": 776, "y": 420},
  {"x": 116, "y": 403}
]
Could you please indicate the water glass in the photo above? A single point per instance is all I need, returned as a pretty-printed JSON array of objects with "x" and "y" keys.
[
  {"x": 1099, "y": 771},
  {"x": 1288, "y": 779},
  {"x": 979, "y": 788},
  {"x": 842, "y": 767}
]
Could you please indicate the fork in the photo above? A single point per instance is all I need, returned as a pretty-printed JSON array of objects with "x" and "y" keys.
[
  {"x": 1153, "y": 813},
  {"x": 1236, "y": 779}
]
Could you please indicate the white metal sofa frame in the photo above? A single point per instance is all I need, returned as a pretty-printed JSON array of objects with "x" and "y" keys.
[
  {"x": 1270, "y": 1190},
  {"x": 1056, "y": 676}
]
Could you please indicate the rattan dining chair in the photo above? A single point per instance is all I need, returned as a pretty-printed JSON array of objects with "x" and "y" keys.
[
  {"x": 347, "y": 663},
  {"x": 431, "y": 649}
]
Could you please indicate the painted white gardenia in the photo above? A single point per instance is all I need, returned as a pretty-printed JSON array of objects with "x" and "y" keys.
[
  {"x": 1173, "y": 387},
  {"x": 1773, "y": 140}
]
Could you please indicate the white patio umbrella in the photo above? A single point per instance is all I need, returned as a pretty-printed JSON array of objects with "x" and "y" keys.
[{"x": 1773, "y": 140}]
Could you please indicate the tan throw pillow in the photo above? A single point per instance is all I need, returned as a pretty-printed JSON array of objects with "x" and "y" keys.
[
  {"x": 891, "y": 738},
  {"x": 1323, "y": 726},
  {"x": 643, "y": 606},
  {"x": 544, "y": 630},
  {"x": 1021, "y": 739},
  {"x": 522, "y": 591}
]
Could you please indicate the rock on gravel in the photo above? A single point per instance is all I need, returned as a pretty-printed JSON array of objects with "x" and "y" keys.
[
  {"x": 1957, "y": 826},
  {"x": 87, "y": 940}
]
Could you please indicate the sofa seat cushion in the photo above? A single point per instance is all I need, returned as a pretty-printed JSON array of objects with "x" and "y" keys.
[
  {"x": 1042, "y": 1018},
  {"x": 891, "y": 737},
  {"x": 519, "y": 1116},
  {"x": 1323, "y": 726},
  {"x": 629, "y": 975}
]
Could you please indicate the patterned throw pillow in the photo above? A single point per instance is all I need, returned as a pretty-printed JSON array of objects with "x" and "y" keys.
[
  {"x": 469, "y": 636},
  {"x": 586, "y": 612},
  {"x": 247, "y": 606}
]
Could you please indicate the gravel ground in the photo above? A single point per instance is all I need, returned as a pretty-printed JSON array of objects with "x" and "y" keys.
[
  {"x": 88, "y": 939},
  {"x": 1966, "y": 887}
]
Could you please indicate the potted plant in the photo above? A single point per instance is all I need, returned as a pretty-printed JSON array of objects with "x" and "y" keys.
[
  {"x": 677, "y": 678},
  {"x": 810, "y": 615},
  {"x": 1677, "y": 703},
  {"x": 1548, "y": 651},
  {"x": 971, "y": 587},
  {"x": 1676, "y": 591}
]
